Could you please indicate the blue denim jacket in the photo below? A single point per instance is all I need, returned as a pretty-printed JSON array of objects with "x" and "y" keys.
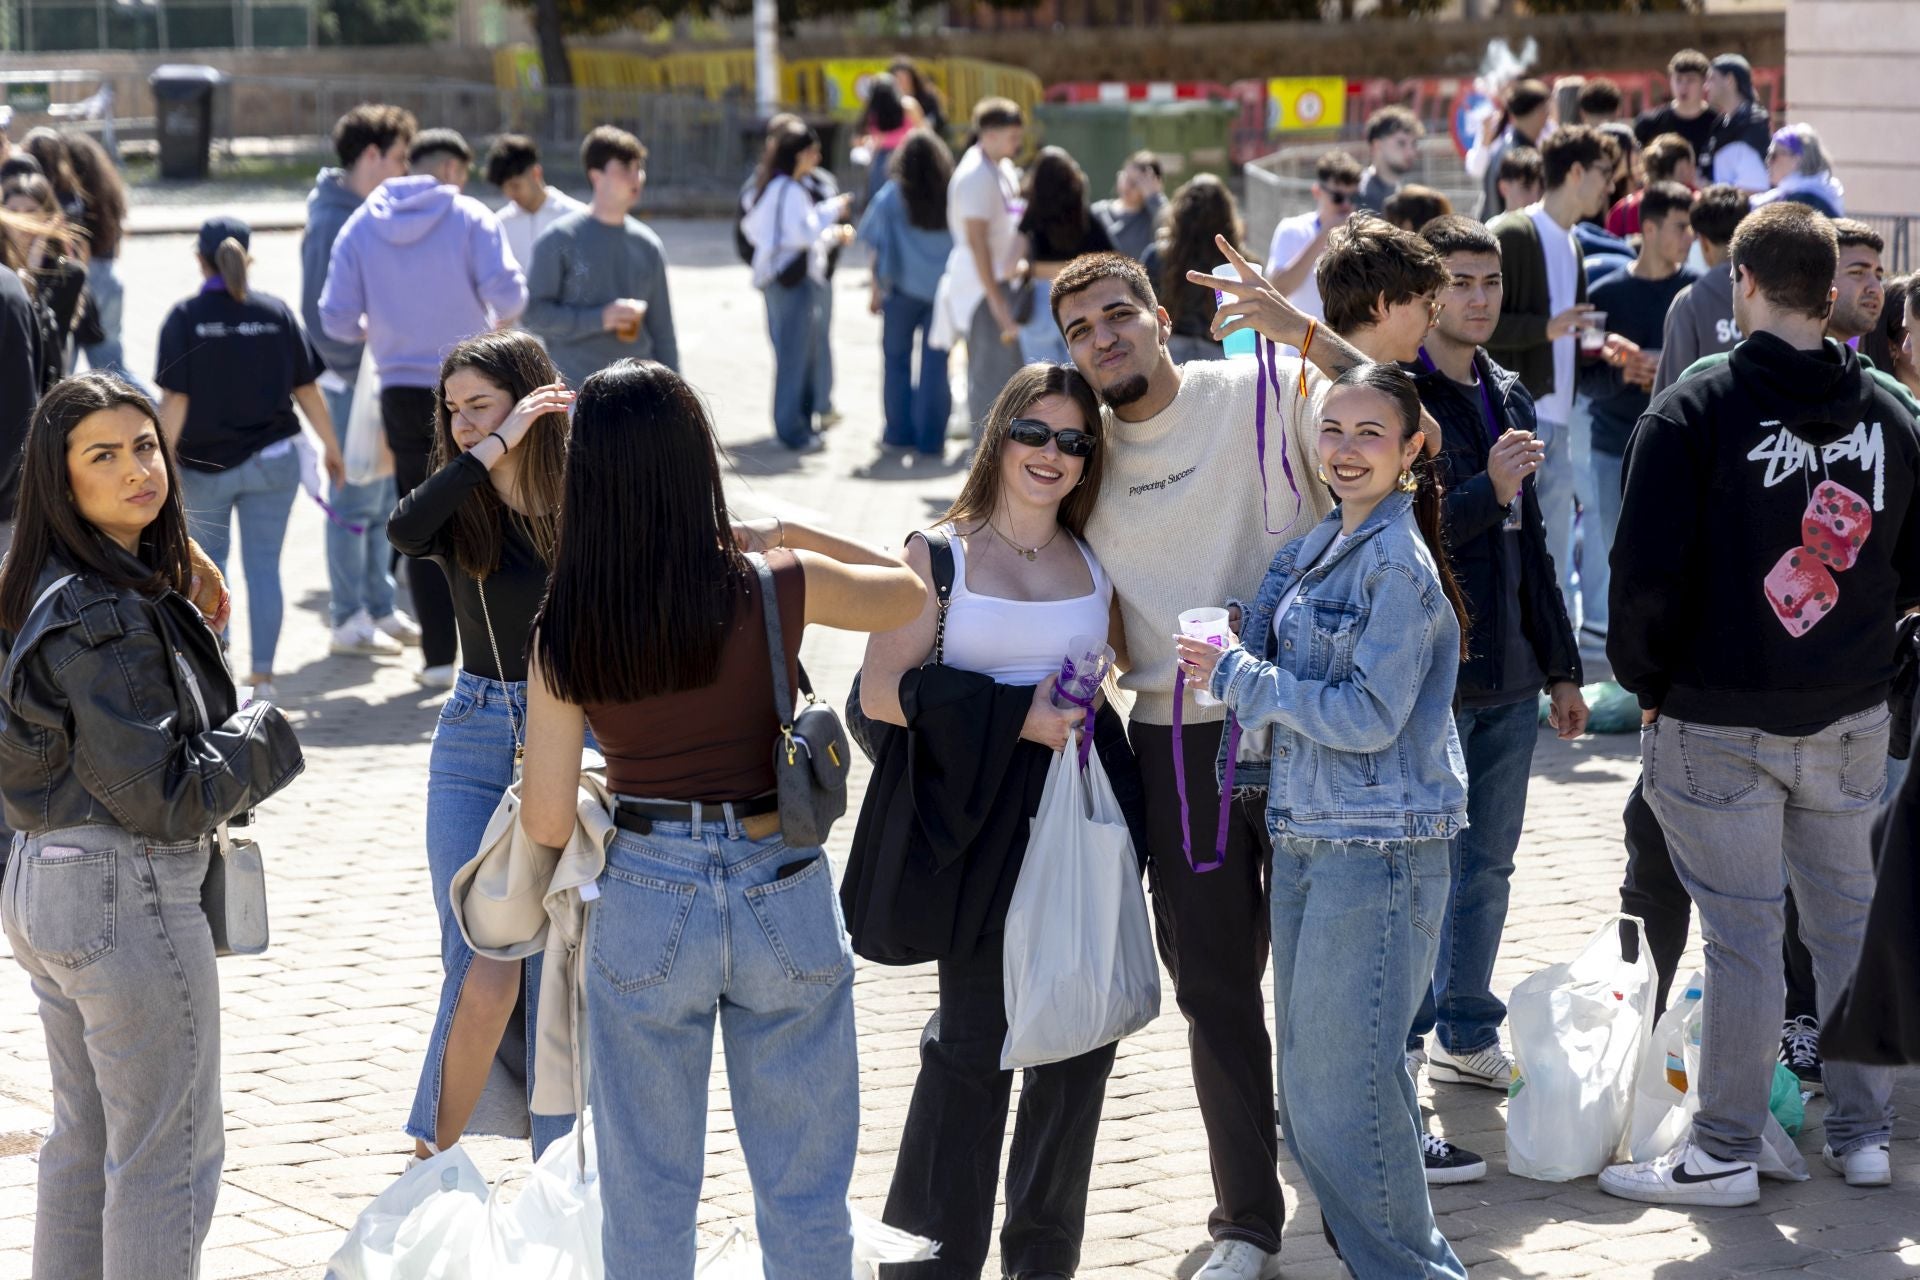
[{"x": 1358, "y": 687}]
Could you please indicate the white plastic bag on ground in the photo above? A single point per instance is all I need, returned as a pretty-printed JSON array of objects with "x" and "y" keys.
[
  {"x": 420, "y": 1228},
  {"x": 1579, "y": 1033},
  {"x": 363, "y": 436},
  {"x": 543, "y": 1223},
  {"x": 1079, "y": 969},
  {"x": 1663, "y": 1115}
]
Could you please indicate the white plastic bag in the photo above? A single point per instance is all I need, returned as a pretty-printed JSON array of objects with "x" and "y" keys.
[
  {"x": 544, "y": 1224},
  {"x": 1663, "y": 1115},
  {"x": 363, "y": 436},
  {"x": 1579, "y": 1032},
  {"x": 1079, "y": 969},
  {"x": 420, "y": 1228}
]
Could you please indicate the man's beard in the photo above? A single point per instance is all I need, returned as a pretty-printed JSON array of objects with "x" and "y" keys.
[
  {"x": 1124, "y": 392},
  {"x": 1398, "y": 171}
]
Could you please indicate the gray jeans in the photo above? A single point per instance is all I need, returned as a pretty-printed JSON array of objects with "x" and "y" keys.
[
  {"x": 1745, "y": 813},
  {"x": 110, "y": 928},
  {"x": 990, "y": 364}
]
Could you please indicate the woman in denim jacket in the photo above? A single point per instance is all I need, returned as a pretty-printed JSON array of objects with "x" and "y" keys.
[{"x": 1351, "y": 651}]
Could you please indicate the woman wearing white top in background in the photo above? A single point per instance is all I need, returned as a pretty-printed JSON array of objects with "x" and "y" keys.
[{"x": 791, "y": 235}]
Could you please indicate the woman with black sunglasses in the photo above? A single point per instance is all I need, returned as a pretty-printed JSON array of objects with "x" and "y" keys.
[{"x": 1024, "y": 588}]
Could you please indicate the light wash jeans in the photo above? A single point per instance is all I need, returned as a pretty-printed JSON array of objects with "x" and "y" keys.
[
  {"x": 468, "y": 770},
  {"x": 1460, "y": 1004},
  {"x": 1554, "y": 487},
  {"x": 793, "y": 320},
  {"x": 109, "y": 928},
  {"x": 823, "y": 349},
  {"x": 261, "y": 490},
  {"x": 1356, "y": 928},
  {"x": 917, "y": 409},
  {"x": 1594, "y": 543},
  {"x": 109, "y": 297},
  {"x": 1040, "y": 340},
  {"x": 1746, "y": 813},
  {"x": 697, "y": 921},
  {"x": 358, "y": 564}
]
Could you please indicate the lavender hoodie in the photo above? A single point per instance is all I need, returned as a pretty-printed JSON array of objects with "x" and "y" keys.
[{"x": 417, "y": 268}]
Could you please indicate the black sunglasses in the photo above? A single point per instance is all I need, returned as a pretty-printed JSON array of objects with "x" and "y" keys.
[
  {"x": 1339, "y": 197},
  {"x": 1034, "y": 434}
]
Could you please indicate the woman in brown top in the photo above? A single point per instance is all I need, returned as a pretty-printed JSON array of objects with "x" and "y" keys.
[{"x": 652, "y": 632}]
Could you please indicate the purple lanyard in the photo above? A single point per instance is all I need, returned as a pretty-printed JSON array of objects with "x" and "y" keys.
[
  {"x": 1180, "y": 784},
  {"x": 1486, "y": 398},
  {"x": 1086, "y": 705},
  {"x": 1266, "y": 355}
]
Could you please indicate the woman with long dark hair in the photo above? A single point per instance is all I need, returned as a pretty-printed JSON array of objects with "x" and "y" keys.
[
  {"x": 1057, "y": 227},
  {"x": 1025, "y": 589},
  {"x": 45, "y": 248},
  {"x": 49, "y": 148},
  {"x": 906, "y": 228},
  {"x": 489, "y": 516},
  {"x": 888, "y": 120},
  {"x": 1348, "y": 659},
  {"x": 654, "y": 634},
  {"x": 791, "y": 238},
  {"x": 105, "y": 197},
  {"x": 233, "y": 362},
  {"x": 1201, "y": 210},
  {"x": 913, "y": 84},
  {"x": 122, "y": 749}
]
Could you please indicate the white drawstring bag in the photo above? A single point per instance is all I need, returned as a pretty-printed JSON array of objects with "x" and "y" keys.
[
  {"x": 1079, "y": 969},
  {"x": 363, "y": 436},
  {"x": 1580, "y": 1030}
]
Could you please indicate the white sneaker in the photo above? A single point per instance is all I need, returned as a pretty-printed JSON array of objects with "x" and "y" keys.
[
  {"x": 440, "y": 677},
  {"x": 357, "y": 636},
  {"x": 263, "y": 691},
  {"x": 1416, "y": 1063},
  {"x": 1866, "y": 1167},
  {"x": 1239, "y": 1260},
  {"x": 1490, "y": 1068},
  {"x": 1685, "y": 1175},
  {"x": 400, "y": 627}
]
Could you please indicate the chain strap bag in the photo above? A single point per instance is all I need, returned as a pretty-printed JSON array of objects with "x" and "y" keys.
[
  {"x": 500, "y": 670},
  {"x": 810, "y": 759},
  {"x": 871, "y": 735}
]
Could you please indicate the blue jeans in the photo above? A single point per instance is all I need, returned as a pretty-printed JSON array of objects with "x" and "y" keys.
[
  {"x": 109, "y": 305},
  {"x": 1585, "y": 529},
  {"x": 1553, "y": 486},
  {"x": 823, "y": 349},
  {"x": 469, "y": 769},
  {"x": 697, "y": 920},
  {"x": 1040, "y": 340},
  {"x": 1498, "y": 744},
  {"x": 793, "y": 317},
  {"x": 357, "y": 563},
  {"x": 1602, "y": 520},
  {"x": 261, "y": 490},
  {"x": 1355, "y": 931},
  {"x": 916, "y": 408}
]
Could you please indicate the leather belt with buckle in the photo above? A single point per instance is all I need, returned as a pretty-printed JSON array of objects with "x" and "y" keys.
[{"x": 758, "y": 817}]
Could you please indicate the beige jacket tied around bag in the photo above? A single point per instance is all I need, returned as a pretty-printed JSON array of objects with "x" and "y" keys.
[{"x": 515, "y": 898}]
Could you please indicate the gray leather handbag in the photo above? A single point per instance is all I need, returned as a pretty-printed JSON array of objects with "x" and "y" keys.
[
  {"x": 810, "y": 757},
  {"x": 234, "y": 896}
]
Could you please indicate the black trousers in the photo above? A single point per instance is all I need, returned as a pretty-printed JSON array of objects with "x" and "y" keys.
[
  {"x": 949, "y": 1163},
  {"x": 1215, "y": 937},
  {"x": 407, "y": 413},
  {"x": 1653, "y": 892}
]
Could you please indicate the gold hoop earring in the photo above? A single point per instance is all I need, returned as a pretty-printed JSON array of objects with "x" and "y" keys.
[
  {"x": 1323, "y": 476},
  {"x": 1408, "y": 482}
]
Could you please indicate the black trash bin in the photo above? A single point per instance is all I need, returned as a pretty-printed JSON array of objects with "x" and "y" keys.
[{"x": 183, "y": 117}]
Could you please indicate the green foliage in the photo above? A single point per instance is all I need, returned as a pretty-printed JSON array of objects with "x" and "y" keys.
[
  {"x": 361, "y": 22},
  {"x": 1246, "y": 10}
]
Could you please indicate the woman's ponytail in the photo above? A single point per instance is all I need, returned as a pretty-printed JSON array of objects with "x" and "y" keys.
[
  {"x": 230, "y": 260},
  {"x": 1426, "y": 514}
]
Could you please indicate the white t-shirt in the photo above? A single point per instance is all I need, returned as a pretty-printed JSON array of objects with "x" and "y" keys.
[
  {"x": 1739, "y": 164},
  {"x": 1290, "y": 238},
  {"x": 980, "y": 189},
  {"x": 1293, "y": 592},
  {"x": 1563, "y": 284},
  {"x": 520, "y": 228}
]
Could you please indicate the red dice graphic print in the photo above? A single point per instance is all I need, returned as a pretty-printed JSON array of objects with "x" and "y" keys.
[
  {"x": 1835, "y": 525},
  {"x": 1801, "y": 591}
]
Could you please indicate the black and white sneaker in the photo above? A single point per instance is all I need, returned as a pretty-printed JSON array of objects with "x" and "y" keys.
[
  {"x": 1448, "y": 1164},
  {"x": 1800, "y": 1050}
]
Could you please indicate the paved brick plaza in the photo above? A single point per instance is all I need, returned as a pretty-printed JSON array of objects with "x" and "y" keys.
[{"x": 323, "y": 1035}]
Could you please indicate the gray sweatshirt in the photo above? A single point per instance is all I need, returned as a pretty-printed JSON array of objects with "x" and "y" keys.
[
  {"x": 1699, "y": 323},
  {"x": 580, "y": 264},
  {"x": 329, "y": 205}
]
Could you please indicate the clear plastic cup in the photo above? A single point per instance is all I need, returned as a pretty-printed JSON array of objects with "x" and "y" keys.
[
  {"x": 1593, "y": 331},
  {"x": 1209, "y": 624},
  {"x": 1085, "y": 665}
]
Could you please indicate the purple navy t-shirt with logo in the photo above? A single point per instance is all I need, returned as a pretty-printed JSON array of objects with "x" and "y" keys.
[{"x": 237, "y": 363}]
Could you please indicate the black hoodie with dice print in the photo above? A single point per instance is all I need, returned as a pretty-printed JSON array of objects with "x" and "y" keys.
[{"x": 1769, "y": 537}]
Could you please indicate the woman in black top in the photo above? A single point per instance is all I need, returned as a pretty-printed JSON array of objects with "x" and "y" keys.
[
  {"x": 1057, "y": 227},
  {"x": 1200, "y": 210},
  {"x": 50, "y": 263},
  {"x": 488, "y": 516},
  {"x": 232, "y": 363}
]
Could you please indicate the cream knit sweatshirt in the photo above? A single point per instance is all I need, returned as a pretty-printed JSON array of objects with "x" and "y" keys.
[{"x": 1179, "y": 525}]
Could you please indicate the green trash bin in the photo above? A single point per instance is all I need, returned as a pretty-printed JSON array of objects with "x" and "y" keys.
[
  {"x": 1189, "y": 137},
  {"x": 1098, "y": 135}
]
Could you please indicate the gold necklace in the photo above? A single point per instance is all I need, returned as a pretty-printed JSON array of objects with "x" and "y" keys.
[{"x": 1030, "y": 554}]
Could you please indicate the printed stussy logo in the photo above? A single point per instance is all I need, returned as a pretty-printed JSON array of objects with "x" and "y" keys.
[{"x": 1834, "y": 526}]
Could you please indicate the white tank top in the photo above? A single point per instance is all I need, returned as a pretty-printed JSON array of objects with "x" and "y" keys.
[{"x": 1019, "y": 641}]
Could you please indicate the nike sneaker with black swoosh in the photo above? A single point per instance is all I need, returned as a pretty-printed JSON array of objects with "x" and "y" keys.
[{"x": 1685, "y": 1175}]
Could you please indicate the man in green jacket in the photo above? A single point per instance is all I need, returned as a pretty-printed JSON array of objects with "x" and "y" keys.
[{"x": 1545, "y": 302}]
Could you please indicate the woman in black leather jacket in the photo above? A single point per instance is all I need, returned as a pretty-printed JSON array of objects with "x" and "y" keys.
[{"x": 121, "y": 750}]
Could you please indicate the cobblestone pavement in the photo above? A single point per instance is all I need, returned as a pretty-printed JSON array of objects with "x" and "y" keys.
[{"x": 324, "y": 1034}]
